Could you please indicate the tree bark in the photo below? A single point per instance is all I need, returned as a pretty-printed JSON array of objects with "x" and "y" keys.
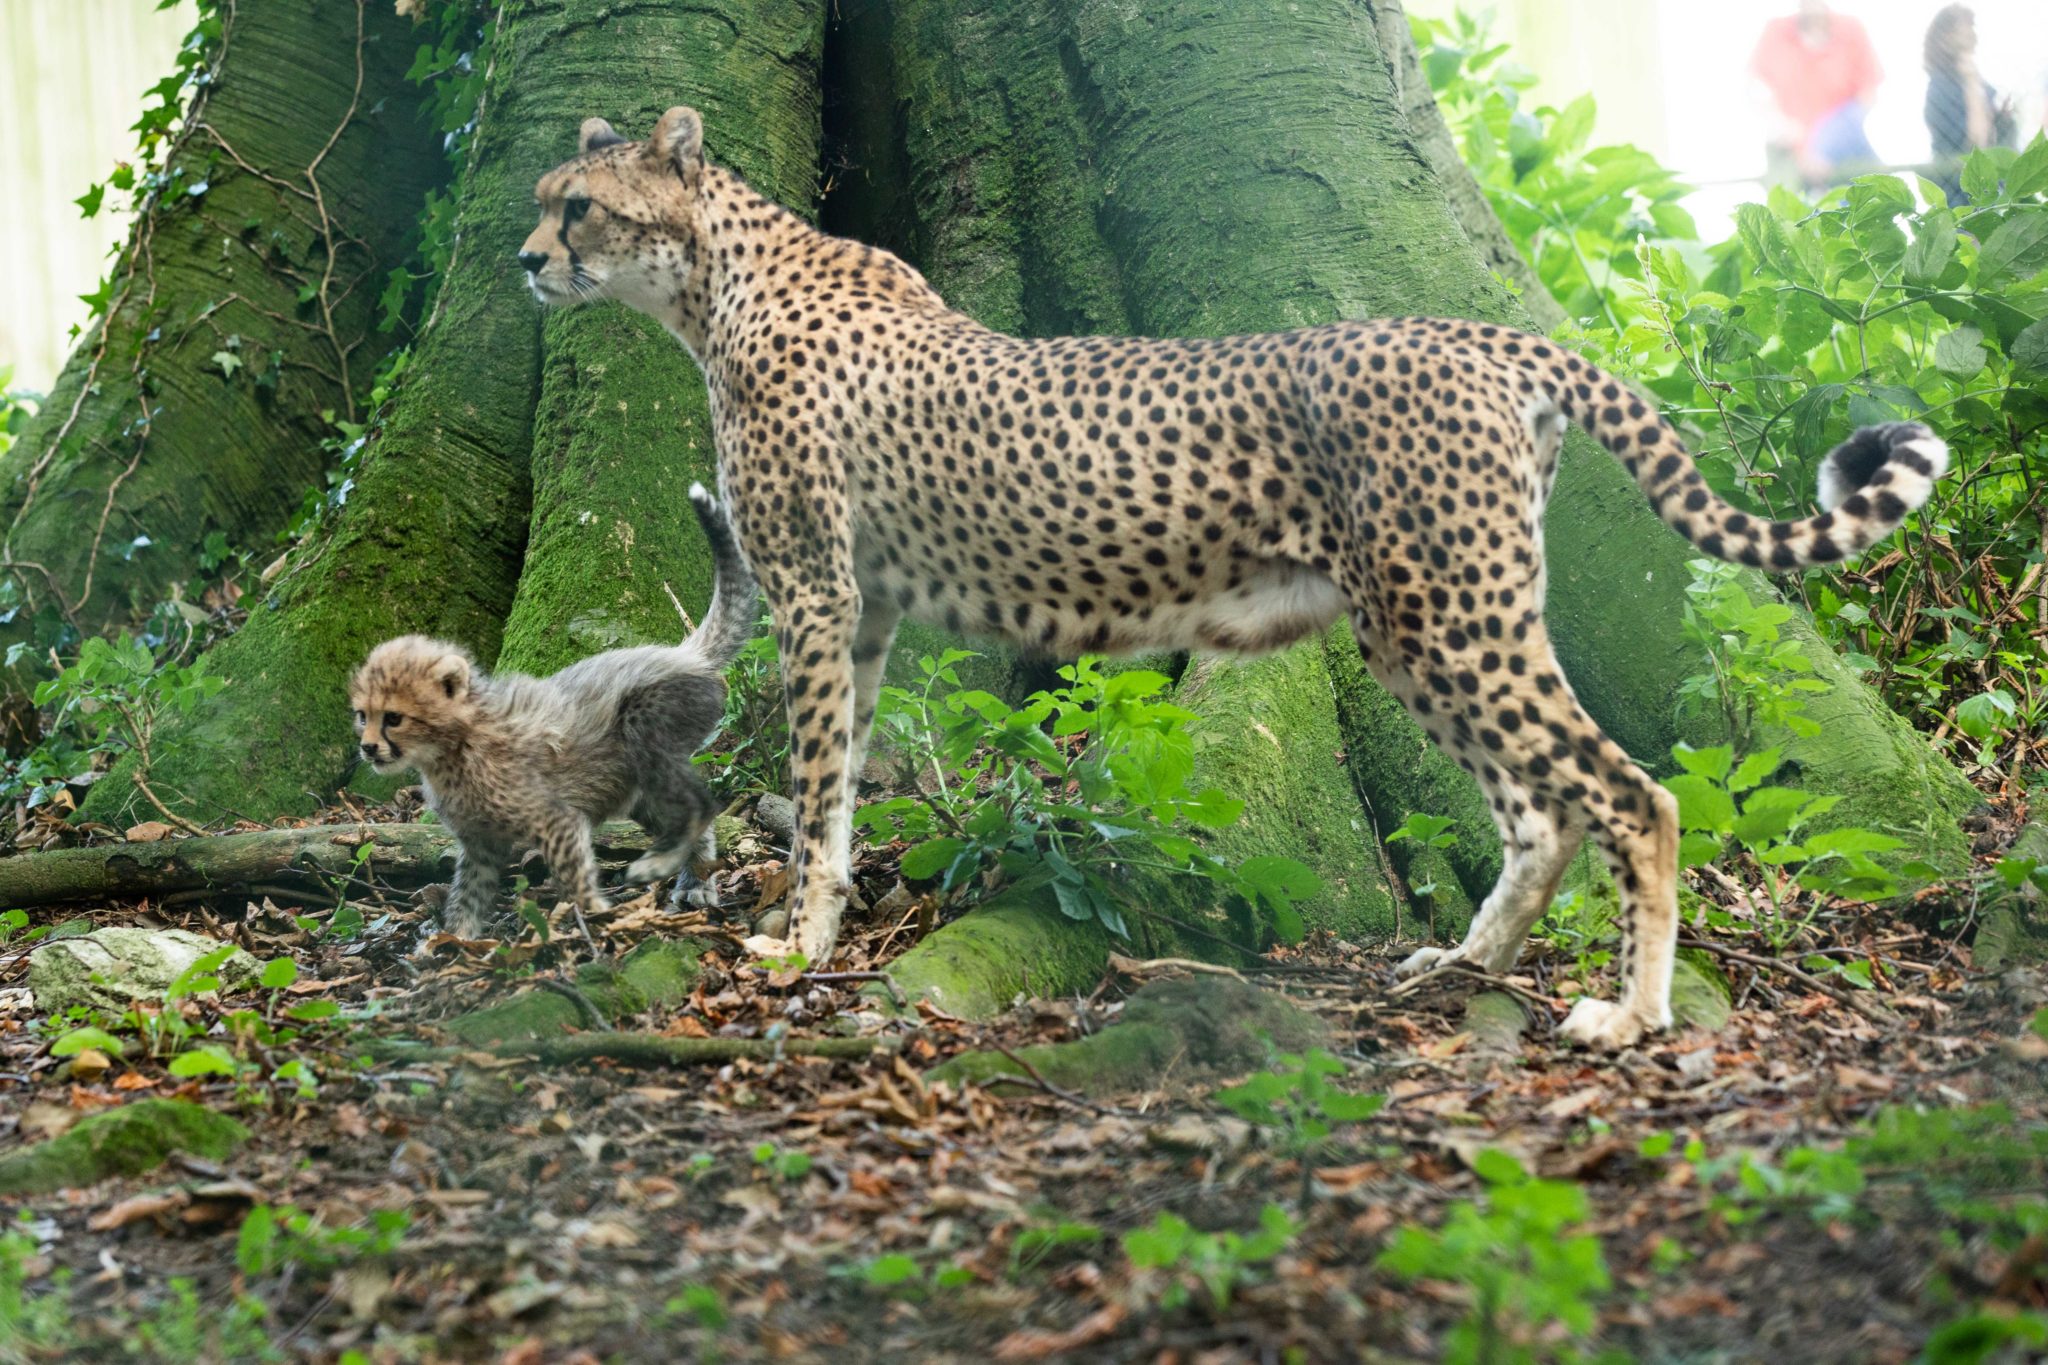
[
  {"x": 314, "y": 159},
  {"x": 623, "y": 427},
  {"x": 435, "y": 533}
]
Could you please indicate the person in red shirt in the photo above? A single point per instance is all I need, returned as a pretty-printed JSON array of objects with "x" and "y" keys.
[{"x": 1821, "y": 72}]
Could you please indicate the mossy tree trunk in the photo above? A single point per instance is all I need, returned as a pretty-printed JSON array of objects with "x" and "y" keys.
[
  {"x": 623, "y": 427},
  {"x": 434, "y": 535},
  {"x": 292, "y": 193}
]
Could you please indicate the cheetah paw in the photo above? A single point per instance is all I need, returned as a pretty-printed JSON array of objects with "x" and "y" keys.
[
  {"x": 1603, "y": 1025},
  {"x": 1425, "y": 960},
  {"x": 762, "y": 945},
  {"x": 702, "y": 894}
]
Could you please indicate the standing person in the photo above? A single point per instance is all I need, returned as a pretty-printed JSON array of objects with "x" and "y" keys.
[
  {"x": 1821, "y": 73},
  {"x": 1963, "y": 112}
]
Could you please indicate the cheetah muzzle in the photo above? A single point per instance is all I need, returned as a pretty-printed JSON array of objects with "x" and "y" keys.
[{"x": 885, "y": 456}]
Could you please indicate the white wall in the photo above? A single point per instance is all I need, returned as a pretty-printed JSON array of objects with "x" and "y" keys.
[{"x": 72, "y": 73}]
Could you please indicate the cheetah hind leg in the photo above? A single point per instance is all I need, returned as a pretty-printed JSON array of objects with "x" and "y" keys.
[{"x": 1538, "y": 849}]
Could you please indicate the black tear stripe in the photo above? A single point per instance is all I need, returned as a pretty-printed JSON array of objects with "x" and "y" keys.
[{"x": 572, "y": 213}]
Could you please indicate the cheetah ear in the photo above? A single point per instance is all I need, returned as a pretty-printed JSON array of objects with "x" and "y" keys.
[
  {"x": 596, "y": 134},
  {"x": 679, "y": 140},
  {"x": 453, "y": 675}
]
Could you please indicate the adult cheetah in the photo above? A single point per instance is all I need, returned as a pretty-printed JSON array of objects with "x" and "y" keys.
[{"x": 886, "y": 456}]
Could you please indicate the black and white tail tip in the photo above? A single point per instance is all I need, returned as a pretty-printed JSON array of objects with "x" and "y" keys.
[{"x": 1882, "y": 472}]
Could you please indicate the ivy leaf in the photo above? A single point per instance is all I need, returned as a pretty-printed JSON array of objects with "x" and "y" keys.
[
  {"x": 1986, "y": 714},
  {"x": 89, "y": 202},
  {"x": 228, "y": 361},
  {"x": 2016, "y": 248},
  {"x": 1960, "y": 353},
  {"x": 2029, "y": 174},
  {"x": 1933, "y": 246},
  {"x": 2029, "y": 350},
  {"x": 931, "y": 858}
]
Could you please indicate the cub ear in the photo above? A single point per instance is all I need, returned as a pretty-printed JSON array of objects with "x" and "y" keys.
[
  {"x": 596, "y": 133},
  {"x": 452, "y": 673},
  {"x": 679, "y": 140}
]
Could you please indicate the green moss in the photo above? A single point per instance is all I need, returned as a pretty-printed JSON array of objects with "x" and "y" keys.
[
  {"x": 1017, "y": 944},
  {"x": 134, "y": 1138},
  {"x": 658, "y": 973},
  {"x": 1182, "y": 1030}
]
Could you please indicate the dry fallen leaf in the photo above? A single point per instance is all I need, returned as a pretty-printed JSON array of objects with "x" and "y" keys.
[
  {"x": 148, "y": 832},
  {"x": 136, "y": 1209}
]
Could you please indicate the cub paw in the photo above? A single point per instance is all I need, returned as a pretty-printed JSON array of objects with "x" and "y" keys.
[
  {"x": 1603, "y": 1025},
  {"x": 655, "y": 866},
  {"x": 690, "y": 891}
]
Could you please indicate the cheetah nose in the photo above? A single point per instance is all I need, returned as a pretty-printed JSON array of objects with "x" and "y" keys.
[
  {"x": 370, "y": 751},
  {"x": 532, "y": 261}
]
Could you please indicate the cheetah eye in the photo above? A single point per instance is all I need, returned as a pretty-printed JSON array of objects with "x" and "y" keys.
[
  {"x": 360, "y": 718},
  {"x": 392, "y": 720},
  {"x": 573, "y": 209}
]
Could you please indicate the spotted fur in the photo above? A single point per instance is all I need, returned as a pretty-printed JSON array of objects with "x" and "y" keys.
[
  {"x": 510, "y": 761},
  {"x": 886, "y": 456}
]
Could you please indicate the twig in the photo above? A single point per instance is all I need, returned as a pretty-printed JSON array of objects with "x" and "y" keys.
[
  {"x": 1130, "y": 966},
  {"x": 1499, "y": 983},
  {"x": 895, "y": 991},
  {"x": 1869, "y": 1009},
  {"x": 643, "y": 1049},
  {"x": 1063, "y": 1095},
  {"x": 592, "y": 1015}
]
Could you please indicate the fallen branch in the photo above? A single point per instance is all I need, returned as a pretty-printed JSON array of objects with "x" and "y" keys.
[
  {"x": 642, "y": 1049},
  {"x": 1869, "y": 1009},
  {"x": 403, "y": 853}
]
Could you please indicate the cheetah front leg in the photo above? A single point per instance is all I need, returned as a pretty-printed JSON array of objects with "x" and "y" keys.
[
  {"x": 473, "y": 891},
  {"x": 566, "y": 847},
  {"x": 817, "y": 633}
]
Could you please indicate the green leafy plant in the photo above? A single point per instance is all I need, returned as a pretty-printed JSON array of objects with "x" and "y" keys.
[
  {"x": 1217, "y": 1262},
  {"x": 1425, "y": 832},
  {"x": 1296, "y": 1100},
  {"x": 1720, "y": 799},
  {"x": 1033, "y": 1245},
  {"x": 1072, "y": 789},
  {"x": 109, "y": 701},
  {"x": 783, "y": 1165},
  {"x": 1755, "y": 677},
  {"x": 751, "y": 750},
  {"x": 1514, "y": 1253},
  {"x": 274, "y": 1238}
]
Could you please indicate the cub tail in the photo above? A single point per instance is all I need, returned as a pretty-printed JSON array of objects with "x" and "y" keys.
[
  {"x": 735, "y": 597},
  {"x": 1867, "y": 484}
]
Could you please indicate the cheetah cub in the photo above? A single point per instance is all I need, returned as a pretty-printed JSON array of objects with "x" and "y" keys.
[{"x": 509, "y": 761}]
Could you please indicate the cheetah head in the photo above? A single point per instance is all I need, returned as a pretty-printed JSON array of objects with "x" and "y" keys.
[
  {"x": 414, "y": 700},
  {"x": 620, "y": 219}
]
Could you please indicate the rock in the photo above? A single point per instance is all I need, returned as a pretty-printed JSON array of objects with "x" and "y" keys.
[
  {"x": 135, "y": 1138},
  {"x": 777, "y": 815},
  {"x": 1496, "y": 1021},
  {"x": 1699, "y": 996},
  {"x": 114, "y": 968}
]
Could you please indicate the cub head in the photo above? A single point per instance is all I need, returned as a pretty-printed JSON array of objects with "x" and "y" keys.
[
  {"x": 413, "y": 699},
  {"x": 620, "y": 220}
]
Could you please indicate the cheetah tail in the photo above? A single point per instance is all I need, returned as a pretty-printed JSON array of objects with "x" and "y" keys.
[
  {"x": 735, "y": 598},
  {"x": 1867, "y": 484}
]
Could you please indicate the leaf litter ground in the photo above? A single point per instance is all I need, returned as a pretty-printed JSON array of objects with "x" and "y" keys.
[{"x": 803, "y": 1208}]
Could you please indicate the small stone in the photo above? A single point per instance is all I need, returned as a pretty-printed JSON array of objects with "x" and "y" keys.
[
  {"x": 116, "y": 967},
  {"x": 776, "y": 814}
]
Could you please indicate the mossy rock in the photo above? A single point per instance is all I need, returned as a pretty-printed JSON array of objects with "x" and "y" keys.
[
  {"x": 135, "y": 1138},
  {"x": 658, "y": 972},
  {"x": 119, "y": 966},
  {"x": 1700, "y": 997},
  {"x": 1018, "y": 943},
  {"x": 1189, "y": 1029}
]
